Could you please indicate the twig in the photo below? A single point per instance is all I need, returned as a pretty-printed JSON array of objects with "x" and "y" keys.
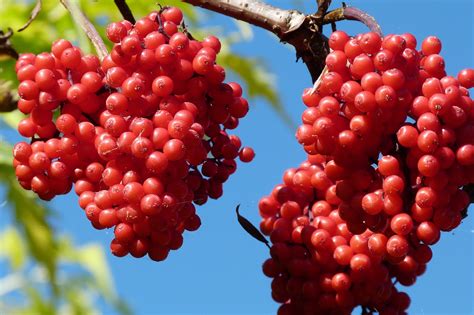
[
  {"x": 125, "y": 10},
  {"x": 351, "y": 13},
  {"x": 5, "y": 36},
  {"x": 160, "y": 24},
  {"x": 317, "y": 83},
  {"x": 87, "y": 26},
  {"x": 34, "y": 13},
  {"x": 185, "y": 30},
  {"x": 323, "y": 6}
]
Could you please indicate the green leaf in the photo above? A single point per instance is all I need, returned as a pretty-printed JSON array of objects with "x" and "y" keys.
[
  {"x": 39, "y": 305},
  {"x": 79, "y": 302},
  {"x": 12, "y": 118},
  {"x": 31, "y": 217},
  {"x": 91, "y": 257},
  {"x": 245, "y": 30},
  {"x": 6, "y": 158},
  {"x": 13, "y": 248}
]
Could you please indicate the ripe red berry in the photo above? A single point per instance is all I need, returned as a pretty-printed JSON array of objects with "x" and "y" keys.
[
  {"x": 431, "y": 45},
  {"x": 246, "y": 154}
]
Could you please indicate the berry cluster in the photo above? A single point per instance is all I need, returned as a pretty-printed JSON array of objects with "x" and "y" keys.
[
  {"x": 317, "y": 264},
  {"x": 142, "y": 135},
  {"x": 390, "y": 139},
  {"x": 407, "y": 126}
]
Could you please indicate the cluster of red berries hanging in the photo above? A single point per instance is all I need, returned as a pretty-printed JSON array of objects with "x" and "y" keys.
[
  {"x": 317, "y": 264},
  {"x": 142, "y": 134},
  {"x": 390, "y": 140}
]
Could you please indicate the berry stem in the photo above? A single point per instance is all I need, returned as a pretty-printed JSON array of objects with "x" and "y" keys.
[
  {"x": 401, "y": 153},
  {"x": 86, "y": 26}
]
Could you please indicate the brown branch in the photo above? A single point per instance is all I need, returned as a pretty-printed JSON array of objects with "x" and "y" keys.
[
  {"x": 4, "y": 37},
  {"x": 304, "y": 32},
  {"x": 323, "y": 6},
  {"x": 275, "y": 20},
  {"x": 86, "y": 26},
  {"x": 125, "y": 10},
  {"x": 290, "y": 26}
]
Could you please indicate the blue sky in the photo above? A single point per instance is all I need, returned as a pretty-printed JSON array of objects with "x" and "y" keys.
[{"x": 218, "y": 269}]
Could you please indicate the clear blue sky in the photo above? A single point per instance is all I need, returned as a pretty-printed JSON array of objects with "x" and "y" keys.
[{"x": 218, "y": 269}]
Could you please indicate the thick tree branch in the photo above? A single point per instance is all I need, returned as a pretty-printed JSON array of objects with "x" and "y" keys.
[
  {"x": 275, "y": 20},
  {"x": 304, "y": 32},
  {"x": 290, "y": 26}
]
